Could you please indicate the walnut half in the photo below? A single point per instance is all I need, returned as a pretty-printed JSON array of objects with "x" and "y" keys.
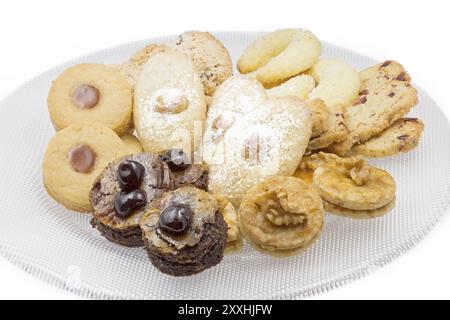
[{"x": 276, "y": 209}]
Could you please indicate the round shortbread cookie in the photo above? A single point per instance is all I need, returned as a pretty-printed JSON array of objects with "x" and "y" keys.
[
  {"x": 169, "y": 103},
  {"x": 280, "y": 55},
  {"x": 91, "y": 93},
  {"x": 74, "y": 158}
]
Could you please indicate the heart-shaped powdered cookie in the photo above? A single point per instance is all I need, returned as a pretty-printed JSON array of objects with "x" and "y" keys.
[{"x": 249, "y": 136}]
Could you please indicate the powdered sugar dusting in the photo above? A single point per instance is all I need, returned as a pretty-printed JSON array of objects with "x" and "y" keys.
[{"x": 282, "y": 127}]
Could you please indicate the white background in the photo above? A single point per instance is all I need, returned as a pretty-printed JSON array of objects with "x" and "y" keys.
[{"x": 37, "y": 35}]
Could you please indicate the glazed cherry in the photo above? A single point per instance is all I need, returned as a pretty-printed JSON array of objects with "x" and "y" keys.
[
  {"x": 176, "y": 159},
  {"x": 175, "y": 220},
  {"x": 130, "y": 175},
  {"x": 127, "y": 202}
]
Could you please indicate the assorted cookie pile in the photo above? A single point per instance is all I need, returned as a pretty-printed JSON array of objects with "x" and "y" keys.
[{"x": 171, "y": 152}]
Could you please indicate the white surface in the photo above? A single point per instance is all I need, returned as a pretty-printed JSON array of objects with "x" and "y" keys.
[{"x": 385, "y": 32}]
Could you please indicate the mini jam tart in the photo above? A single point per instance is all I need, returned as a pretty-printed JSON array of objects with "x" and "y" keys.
[
  {"x": 185, "y": 233},
  {"x": 281, "y": 216},
  {"x": 124, "y": 191},
  {"x": 74, "y": 158},
  {"x": 81, "y": 94},
  {"x": 184, "y": 171}
]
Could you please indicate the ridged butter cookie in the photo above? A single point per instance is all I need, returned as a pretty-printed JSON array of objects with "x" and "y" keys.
[{"x": 280, "y": 55}]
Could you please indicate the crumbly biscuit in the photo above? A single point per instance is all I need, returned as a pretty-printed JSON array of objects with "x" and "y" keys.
[
  {"x": 169, "y": 103},
  {"x": 211, "y": 59},
  {"x": 132, "y": 68},
  {"x": 320, "y": 117},
  {"x": 402, "y": 136},
  {"x": 74, "y": 158},
  {"x": 280, "y": 55},
  {"x": 336, "y": 129},
  {"x": 81, "y": 94},
  {"x": 386, "y": 95},
  {"x": 249, "y": 136},
  {"x": 281, "y": 215}
]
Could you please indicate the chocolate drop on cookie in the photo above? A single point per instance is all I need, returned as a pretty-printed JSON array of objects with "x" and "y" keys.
[
  {"x": 82, "y": 158},
  {"x": 86, "y": 96},
  {"x": 130, "y": 175},
  {"x": 176, "y": 159},
  {"x": 175, "y": 220},
  {"x": 126, "y": 202}
]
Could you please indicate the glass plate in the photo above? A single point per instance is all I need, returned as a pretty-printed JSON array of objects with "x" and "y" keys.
[{"x": 61, "y": 248}]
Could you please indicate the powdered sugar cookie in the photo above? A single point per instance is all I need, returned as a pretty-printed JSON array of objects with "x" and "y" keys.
[
  {"x": 301, "y": 87},
  {"x": 169, "y": 103},
  {"x": 249, "y": 136}
]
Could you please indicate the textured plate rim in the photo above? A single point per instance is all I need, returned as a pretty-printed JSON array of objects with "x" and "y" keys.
[{"x": 86, "y": 291}]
